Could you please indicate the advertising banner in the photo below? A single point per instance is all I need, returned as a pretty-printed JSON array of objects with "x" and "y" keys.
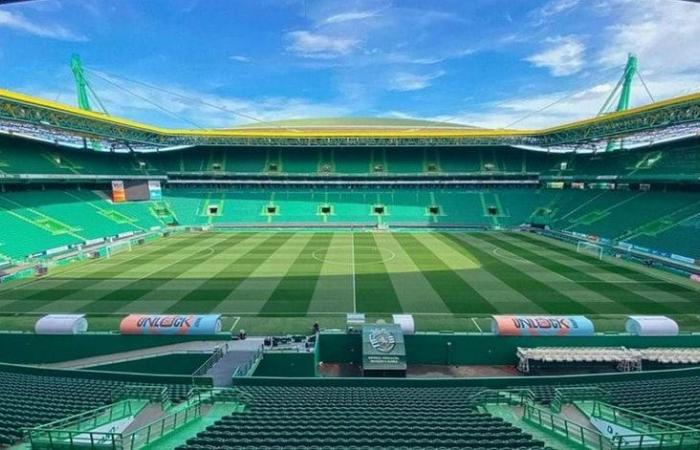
[
  {"x": 171, "y": 324},
  {"x": 625, "y": 246},
  {"x": 154, "y": 190},
  {"x": 542, "y": 326},
  {"x": 53, "y": 251},
  {"x": 683, "y": 259},
  {"x": 118, "y": 192},
  {"x": 90, "y": 242}
]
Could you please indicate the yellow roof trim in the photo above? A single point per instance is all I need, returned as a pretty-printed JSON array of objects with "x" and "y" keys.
[{"x": 290, "y": 132}]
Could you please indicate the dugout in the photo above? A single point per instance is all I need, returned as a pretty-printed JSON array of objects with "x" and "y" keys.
[
  {"x": 61, "y": 324},
  {"x": 651, "y": 326}
]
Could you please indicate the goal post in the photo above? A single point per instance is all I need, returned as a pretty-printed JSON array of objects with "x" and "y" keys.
[
  {"x": 590, "y": 248},
  {"x": 112, "y": 249}
]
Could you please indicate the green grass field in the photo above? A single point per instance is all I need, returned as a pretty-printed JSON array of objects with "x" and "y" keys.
[{"x": 278, "y": 282}]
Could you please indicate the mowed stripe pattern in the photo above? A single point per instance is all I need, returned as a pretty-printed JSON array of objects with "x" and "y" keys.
[{"x": 300, "y": 273}]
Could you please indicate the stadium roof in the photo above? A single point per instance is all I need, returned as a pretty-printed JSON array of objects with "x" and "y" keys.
[
  {"x": 355, "y": 122},
  {"x": 43, "y": 119}
]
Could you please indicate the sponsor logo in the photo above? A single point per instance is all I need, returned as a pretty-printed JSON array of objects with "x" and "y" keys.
[
  {"x": 382, "y": 340},
  {"x": 544, "y": 323},
  {"x": 165, "y": 322},
  {"x": 682, "y": 258}
]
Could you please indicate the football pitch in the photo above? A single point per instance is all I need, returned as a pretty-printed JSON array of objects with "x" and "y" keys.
[{"x": 279, "y": 282}]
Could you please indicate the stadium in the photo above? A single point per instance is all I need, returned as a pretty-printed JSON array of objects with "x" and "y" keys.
[{"x": 349, "y": 282}]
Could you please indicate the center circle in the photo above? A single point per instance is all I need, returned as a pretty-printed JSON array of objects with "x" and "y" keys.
[{"x": 343, "y": 255}]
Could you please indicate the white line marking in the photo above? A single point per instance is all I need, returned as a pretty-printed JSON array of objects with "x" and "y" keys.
[
  {"x": 235, "y": 322},
  {"x": 354, "y": 291},
  {"x": 511, "y": 256},
  {"x": 477, "y": 325},
  {"x": 82, "y": 264}
]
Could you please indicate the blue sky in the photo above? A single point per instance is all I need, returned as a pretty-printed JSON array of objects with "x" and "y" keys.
[{"x": 489, "y": 63}]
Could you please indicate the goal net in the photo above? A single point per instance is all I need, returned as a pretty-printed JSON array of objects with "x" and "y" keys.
[
  {"x": 118, "y": 247},
  {"x": 590, "y": 248}
]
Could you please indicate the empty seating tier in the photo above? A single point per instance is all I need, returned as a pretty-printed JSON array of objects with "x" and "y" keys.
[
  {"x": 31, "y": 400},
  {"x": 360, "y": 418}
]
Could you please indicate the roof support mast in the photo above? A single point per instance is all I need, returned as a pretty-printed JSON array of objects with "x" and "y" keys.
[
  {"x": 624, "y": 86},
  {"x": 81, "y": 84},
  {"x": 630, "y": 70}
]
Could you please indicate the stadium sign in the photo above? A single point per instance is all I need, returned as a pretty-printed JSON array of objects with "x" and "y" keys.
[
  {"x": 542, "y": 326},
  {"x": 383, "y": 350},
  {"x": 382, "y": 340},
  {"x": 171, "y": 324}
]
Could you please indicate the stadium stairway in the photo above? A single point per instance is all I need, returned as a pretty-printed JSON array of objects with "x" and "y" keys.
[
  {"x": 239, "y": 357},
  {"x": 672, "y": 399},
  {"x": 513, "y": 414},
  {"x": 29, "y": 400},
  {"x": 135, "y": 421}
]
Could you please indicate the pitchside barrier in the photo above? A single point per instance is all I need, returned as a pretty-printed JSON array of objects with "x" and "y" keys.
[
  {"x": 31, "y": 348},
  {"x": 669, "y": 262},
  {"x": 42, "y": 262},
  {"x": 485, "y": 349}
]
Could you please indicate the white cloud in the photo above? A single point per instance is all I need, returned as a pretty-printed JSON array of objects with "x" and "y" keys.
[
  {"x": 349, "y": 16},
  {"x": 555, "y": 7},
  {"x": 185, "y": 105},
  {"x": 663, "y": 34},
  {"x": 565, "y": 56},
  {"x": 240, "y": 58},
  {"x": 18, "y": 22},
  {"x": 565, "y": 106},
  {"x": 404, "y": 58},
  {"x": 406, "y": 81},
  {"x": 321, "y": 46}
]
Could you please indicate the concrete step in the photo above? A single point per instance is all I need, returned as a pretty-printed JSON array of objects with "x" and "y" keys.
[
  {"x": 222, "y": 371},
  {"x": 573, "y": 414},
  {"x": 148, "y": 414}
]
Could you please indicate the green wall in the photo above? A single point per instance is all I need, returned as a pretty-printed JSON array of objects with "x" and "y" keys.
[
  {"x": 97, "y": 375},
  {"x": 282, "y": 364},
  {"x": 30, "y": 348},
  {"x": 493, "y": 383},
  {"x": 484, "y": 349},
  {"x": 340, "y": 348},
  {"x": 177, "y": 364}
]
